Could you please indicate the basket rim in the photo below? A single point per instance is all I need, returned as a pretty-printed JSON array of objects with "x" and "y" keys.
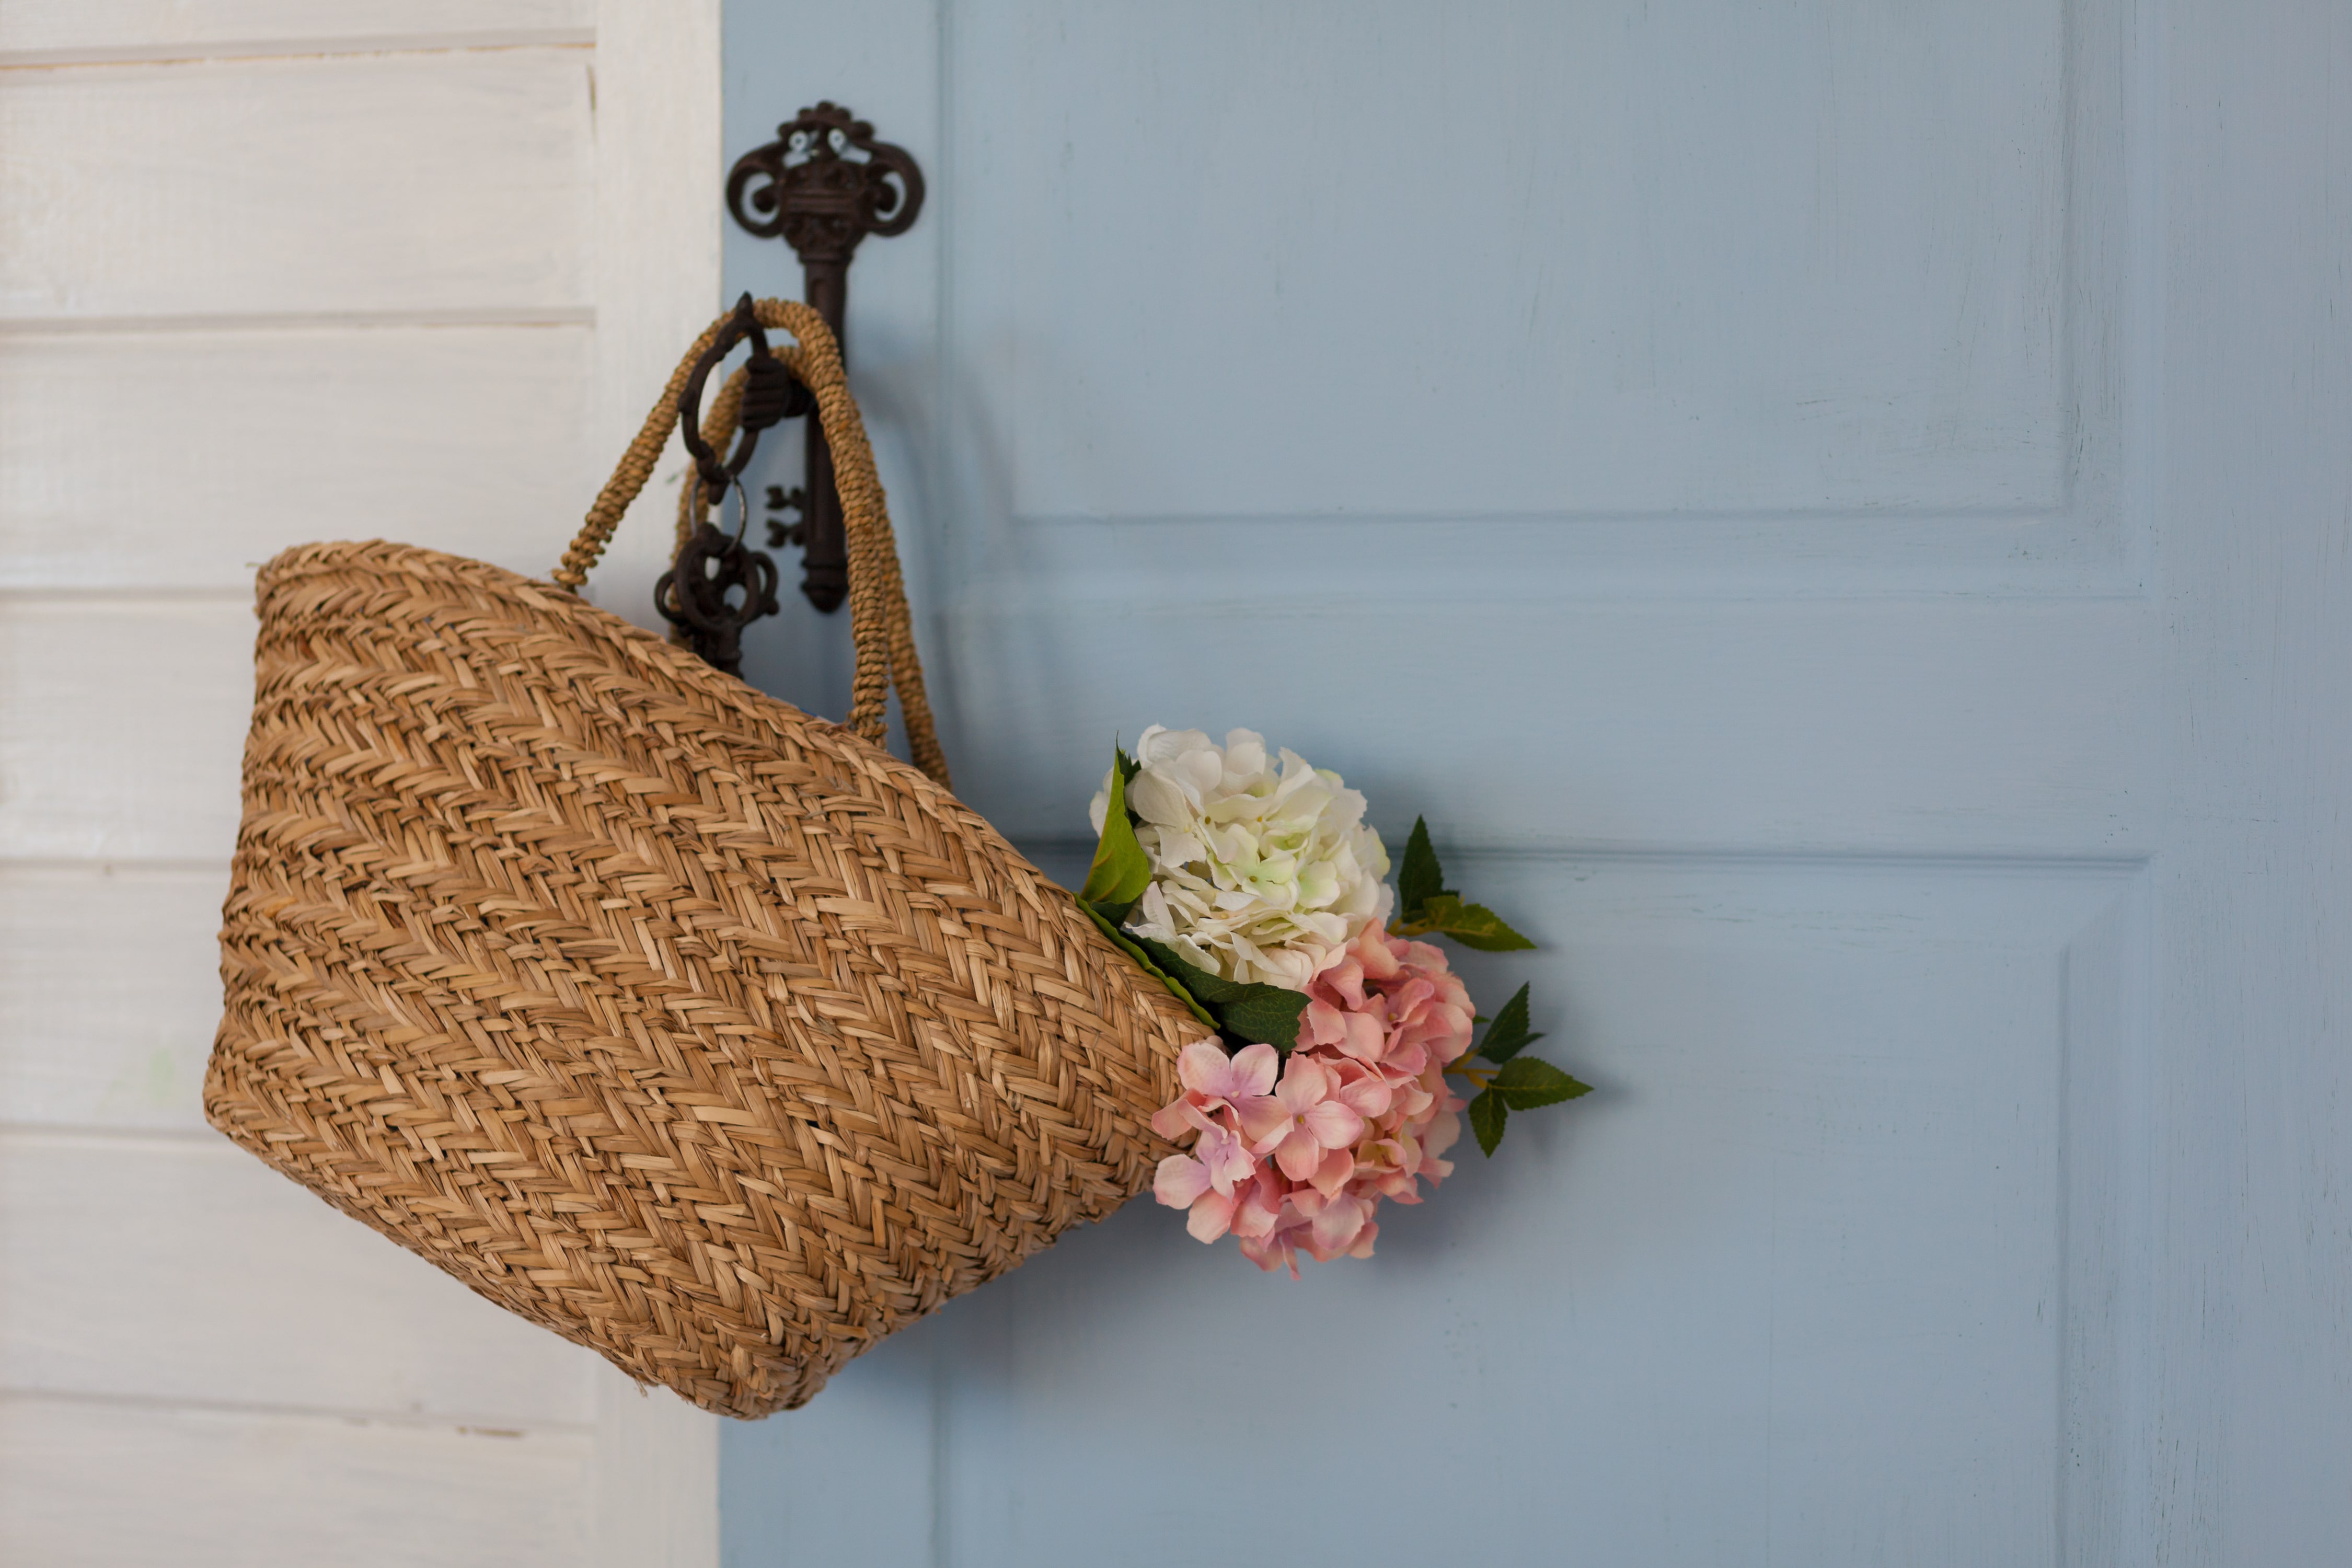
[{"x": 391, "y": 557}]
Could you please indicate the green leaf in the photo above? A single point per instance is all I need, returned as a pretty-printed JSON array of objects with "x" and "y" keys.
[
  {"x": 1525, "y": 1083},
  {"x": 1472, "y": 925},
  {"x": 1208, "y": 987},
  {"x": 1252, "y": 1011},
  {"x": 1419, "y": 877},
  {"x": 1121, "y": 870},
  {"x": 1129, "y": 945},
  {"x": 1266, "y": 1012},
  {"x": 1487, "y": 1114},
  {"x": 1509, "y": 1034}
]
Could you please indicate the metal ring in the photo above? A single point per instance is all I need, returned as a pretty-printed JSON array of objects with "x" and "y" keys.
[
  {"x": 742, "y": 326},
  {"x": 742, "y": 511}
]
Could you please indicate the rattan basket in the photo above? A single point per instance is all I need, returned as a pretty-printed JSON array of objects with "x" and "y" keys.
[{"x": 702, "y": 1032}]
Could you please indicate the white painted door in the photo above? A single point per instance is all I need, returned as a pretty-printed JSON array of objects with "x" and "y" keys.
[
  {"x": 1837, "y": 512},
  {"x": 274, "y": 271}
]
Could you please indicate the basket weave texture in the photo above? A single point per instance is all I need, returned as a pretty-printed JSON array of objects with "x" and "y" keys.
[{"x": 703, "y": 1032}]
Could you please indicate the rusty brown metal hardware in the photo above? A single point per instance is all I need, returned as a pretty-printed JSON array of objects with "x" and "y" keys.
[
  {"x": 781, "y": 501},
  {"x": 718, "y": 584},
  {"x": 807, "y": 188},
  {"x": 694, "y": 595}
]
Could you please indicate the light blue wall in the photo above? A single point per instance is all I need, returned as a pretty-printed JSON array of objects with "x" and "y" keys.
[
  {"x": 1680, "y": 448},
  {"x": 897, "y": 1462}
]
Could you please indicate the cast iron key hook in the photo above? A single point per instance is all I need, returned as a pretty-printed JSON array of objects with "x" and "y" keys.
[{"x": 805, "y": 189}]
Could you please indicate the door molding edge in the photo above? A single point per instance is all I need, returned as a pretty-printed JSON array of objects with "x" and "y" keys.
[{"x": 658, "y": 146}]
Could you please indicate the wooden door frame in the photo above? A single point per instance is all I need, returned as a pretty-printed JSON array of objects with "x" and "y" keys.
[{"x": 656, "y": 107}]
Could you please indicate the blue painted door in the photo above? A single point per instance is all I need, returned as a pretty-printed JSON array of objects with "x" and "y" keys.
[{"x": 1832, "y": 511}]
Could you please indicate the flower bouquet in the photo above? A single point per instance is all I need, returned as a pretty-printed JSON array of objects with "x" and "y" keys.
[{"x": 1250, "y": 886}]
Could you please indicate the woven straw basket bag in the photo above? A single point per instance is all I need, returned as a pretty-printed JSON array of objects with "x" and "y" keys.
[{"x": 700, "y": 1031}]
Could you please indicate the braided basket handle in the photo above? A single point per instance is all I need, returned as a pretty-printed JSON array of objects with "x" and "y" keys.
[{"x": 880, "y": 625}]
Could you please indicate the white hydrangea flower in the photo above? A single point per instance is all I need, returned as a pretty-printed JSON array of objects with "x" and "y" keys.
[{"x": 1257, "y": 875}]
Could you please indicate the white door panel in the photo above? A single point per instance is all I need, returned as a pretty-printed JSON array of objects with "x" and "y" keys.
[{"x": 273, "y": 271}]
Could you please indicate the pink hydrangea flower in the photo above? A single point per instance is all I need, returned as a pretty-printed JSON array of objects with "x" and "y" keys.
[
  {"x": 1215, "y": 1085},
  {"x": 1302, "y": 1122},
  {"x": 1360, "y": 1113}
]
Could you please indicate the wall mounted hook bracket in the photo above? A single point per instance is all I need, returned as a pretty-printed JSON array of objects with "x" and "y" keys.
[{"x": 822, "y": 186}]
